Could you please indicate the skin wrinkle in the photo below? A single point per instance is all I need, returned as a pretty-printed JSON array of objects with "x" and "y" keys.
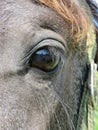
[{"x": 30, "y": 98}]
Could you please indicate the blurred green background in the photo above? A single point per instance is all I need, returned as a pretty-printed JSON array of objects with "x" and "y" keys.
[
  {"x": 96, "y": 104},
  {"x": 96, "y": 118}
]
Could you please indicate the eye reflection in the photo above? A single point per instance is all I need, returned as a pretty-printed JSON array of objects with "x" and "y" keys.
[{"x": 46, "y": 59}]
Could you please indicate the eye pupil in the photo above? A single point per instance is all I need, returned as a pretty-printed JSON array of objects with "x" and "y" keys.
[{"x": 44, "y": 59}]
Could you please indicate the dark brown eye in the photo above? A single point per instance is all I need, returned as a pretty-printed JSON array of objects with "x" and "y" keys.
[{"x": 46, "y": 59}]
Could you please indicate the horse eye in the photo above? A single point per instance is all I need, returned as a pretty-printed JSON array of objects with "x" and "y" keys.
[{"x": 46, "y": 59}]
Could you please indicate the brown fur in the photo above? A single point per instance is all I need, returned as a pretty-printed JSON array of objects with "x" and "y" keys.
[{"x": 73, "y": 14}]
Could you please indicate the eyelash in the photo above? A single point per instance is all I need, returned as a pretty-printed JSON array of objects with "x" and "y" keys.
[{"x": 53, "y": 54}]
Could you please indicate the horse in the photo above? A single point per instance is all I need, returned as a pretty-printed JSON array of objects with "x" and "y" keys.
[{"x": 47, "y": 52}]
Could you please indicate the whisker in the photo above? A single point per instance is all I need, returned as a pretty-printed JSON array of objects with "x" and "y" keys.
[
  {"x": 65, "y": 109},
  {"x": 58, "y": 121}
]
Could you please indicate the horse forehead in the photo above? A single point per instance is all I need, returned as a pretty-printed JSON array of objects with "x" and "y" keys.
[
  {"x": 25, "y": 12},
  {"x": 25, "y": 7}
]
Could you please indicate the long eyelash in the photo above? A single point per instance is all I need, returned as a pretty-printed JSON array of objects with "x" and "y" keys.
[{"x": 27, "y": 57}]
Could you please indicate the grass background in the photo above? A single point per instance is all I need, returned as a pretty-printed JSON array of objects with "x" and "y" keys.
[
  {"x": 96, "y": 104},
  {"x": 96, "y": 118}
]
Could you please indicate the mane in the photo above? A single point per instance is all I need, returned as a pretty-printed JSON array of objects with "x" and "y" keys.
[{"x": 74, "y": 14}]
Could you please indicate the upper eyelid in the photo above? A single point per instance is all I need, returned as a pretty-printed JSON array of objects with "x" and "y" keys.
[
  {"x": 59, "y": 46},
  {"x": 53, "y": 39},
  {"x": 47, "y": 33},
  {"x": 34, "y": 48}
]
